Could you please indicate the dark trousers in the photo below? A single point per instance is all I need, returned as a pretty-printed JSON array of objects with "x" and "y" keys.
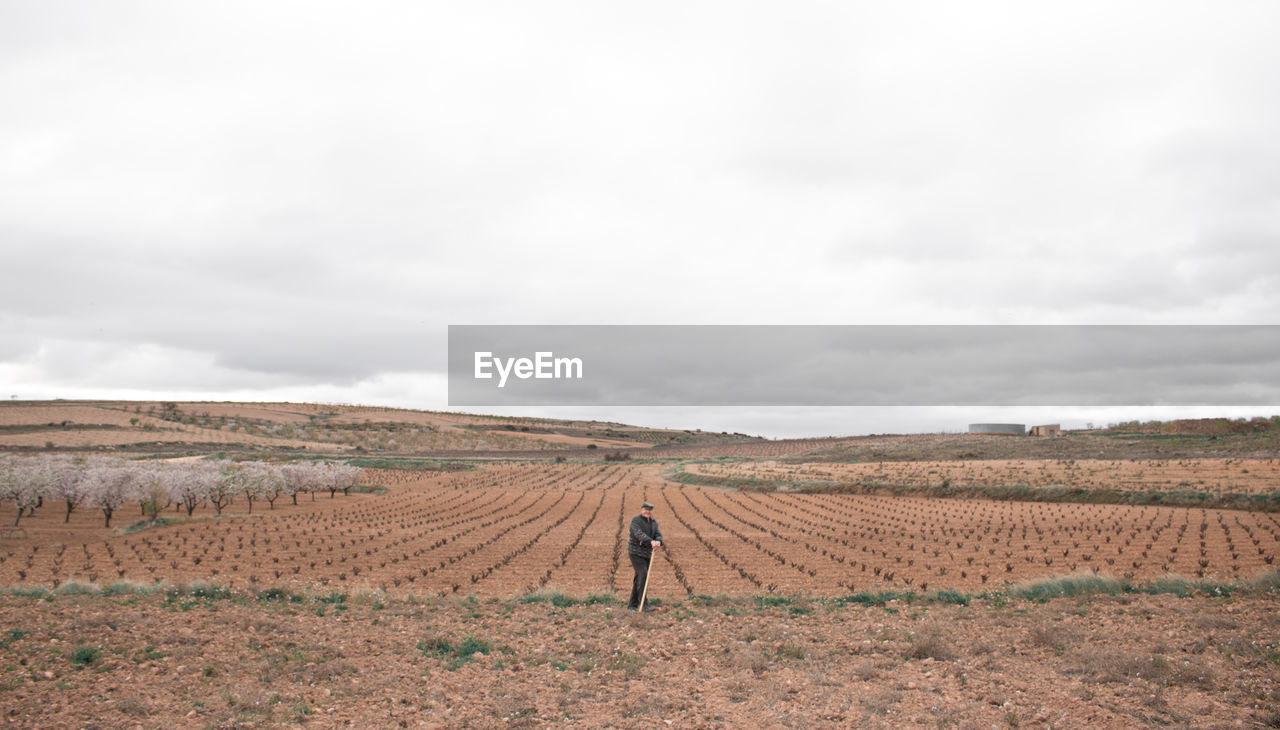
[{"x": 641, "y": 565}]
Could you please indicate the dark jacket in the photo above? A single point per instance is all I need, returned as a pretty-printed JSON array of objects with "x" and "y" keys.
[{"x": 642, "y": 533}]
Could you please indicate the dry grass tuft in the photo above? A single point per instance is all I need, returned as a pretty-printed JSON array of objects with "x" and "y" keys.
[
  {"x": 748, "y": 657},
  {"x": 931, "y": 642},
  {"x": 879, "y": 703},
  {"x": 863, "y": 670},
  {"x": 1056, "y": 635},
  {"x": 1104, "y": 664}
]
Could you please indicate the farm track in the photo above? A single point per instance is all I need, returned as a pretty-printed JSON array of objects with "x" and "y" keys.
[{"x": 511, "y": 529}]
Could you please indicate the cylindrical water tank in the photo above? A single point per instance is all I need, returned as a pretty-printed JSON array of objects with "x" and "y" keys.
[{"x": 1006, "y": 428}]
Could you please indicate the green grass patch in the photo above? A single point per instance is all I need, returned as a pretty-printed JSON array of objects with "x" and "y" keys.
[
  {"x": 1066, "y": 495},
  {"x": 208, "y": 592},
  {"x": 278, "y": 595},
  {"x": 129, "y": 588},
  {"x": 85, "y": 656},
  {"x": 563, "y": 600},
  {"x": 865, "y": 598},
  {"x": 949, "y": 595},
  {"x": 1169, "y": 584},
  {"x": 148, "y": 654},
  {"x": 453, "y": 656},
  {"x": 1269, "y": 582},
  {"x": 77, "y": 588},
  {"x": 411, "y": 464},
  {"x": 1070, "y": 585},
  {"x": 436, "y": 646},
  {"x": 11, "y": 636},
  {"x": 471, "y": 646},
  {"x": 141, "y": 525},
  {"x": 1089, "y": 584}
]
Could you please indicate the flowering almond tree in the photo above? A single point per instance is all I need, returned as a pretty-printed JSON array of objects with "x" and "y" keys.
[
  {"x": 347, "y": 477},
  {"x": 297, "y": 478},
  {"x": 69, "y": 482},
  {"x": 271, "y": 483},
  {"x": 225, "y": 486},
  {"x": 109, "y": 484},
  {"x": 25, "y": 482},
  {"x": 338, "y": 476},
  {"x": 154, "y": 491},
  {"x": 191, "y": 482},
  {"x": 253, "y": 481}
]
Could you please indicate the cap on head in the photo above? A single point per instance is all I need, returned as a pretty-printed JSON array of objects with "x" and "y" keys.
[{"x": 646, "y": 505}]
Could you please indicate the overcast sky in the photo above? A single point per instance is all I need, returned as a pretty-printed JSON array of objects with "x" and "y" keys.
[{"x": 248, "y": 200}]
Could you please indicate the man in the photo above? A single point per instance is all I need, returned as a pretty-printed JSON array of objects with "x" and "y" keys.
[{"x": 645, "y": 538}]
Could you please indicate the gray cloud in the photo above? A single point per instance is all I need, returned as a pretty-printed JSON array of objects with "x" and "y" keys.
[{"x": 305, "y": 195}]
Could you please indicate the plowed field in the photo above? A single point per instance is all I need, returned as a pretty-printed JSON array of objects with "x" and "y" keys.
[
  {"x": 1215, "y": 476},
  {"x": 508, "y": 530}
]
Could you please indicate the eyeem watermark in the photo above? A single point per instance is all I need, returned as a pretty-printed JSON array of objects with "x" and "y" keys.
[
  {"x": 864, "y": 365},
  {"x": 542, "y": 366}
]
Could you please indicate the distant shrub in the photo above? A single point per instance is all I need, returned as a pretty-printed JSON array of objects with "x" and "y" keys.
[
  {"x": 952, "y": 596},
  {"x": 454, "y": 656},
  {"x": 433, "y": 645},
  {"x": 1069, "y": 585},
  {"x": 84, "y": 656}
]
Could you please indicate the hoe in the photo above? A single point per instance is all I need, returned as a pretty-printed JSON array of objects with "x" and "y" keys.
[{"x": 653, "y": 554}]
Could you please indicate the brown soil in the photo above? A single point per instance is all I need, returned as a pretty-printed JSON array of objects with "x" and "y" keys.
[
  {"x": 296, "y": 426},
  {"x": 576, "y": 441},
  {"x": 350, "y": 612},
  {"x": 370, "y": 661},
  {"x": 1240, "y": 476},
  {"x": 510, "y": 529}
]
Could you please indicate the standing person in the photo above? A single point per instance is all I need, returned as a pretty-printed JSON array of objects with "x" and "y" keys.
[{"x": 645, "y": 537}]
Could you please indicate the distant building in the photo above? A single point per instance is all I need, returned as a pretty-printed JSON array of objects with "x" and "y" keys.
[
  {"x": 1051, "y": 429},
  {"x": 1010, "y": 429}
]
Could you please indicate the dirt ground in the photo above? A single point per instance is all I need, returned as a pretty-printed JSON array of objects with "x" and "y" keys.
[
  {"x": 246, "y": 660},
  {"x": 1243, "y": 476},
  {"x": 511, "y": 529}
]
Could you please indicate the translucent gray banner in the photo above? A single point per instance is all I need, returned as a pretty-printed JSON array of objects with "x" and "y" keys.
[{"x": 863, "y": 365}]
